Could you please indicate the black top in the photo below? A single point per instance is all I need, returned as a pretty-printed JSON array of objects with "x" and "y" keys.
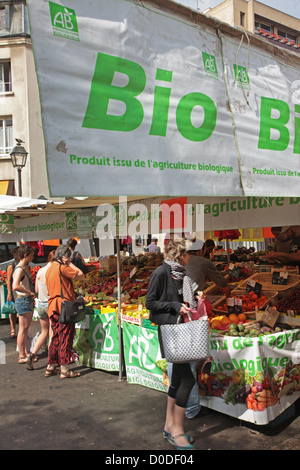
[
  {"x": 163, "y": 299},
  {"x": 77, "y": 261}
]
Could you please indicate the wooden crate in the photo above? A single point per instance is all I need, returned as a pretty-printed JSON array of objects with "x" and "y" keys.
[
  {"x": 265, "y": 279},
  {"x": 109, "y": 264},
  {"x": 270, "y": 295}
]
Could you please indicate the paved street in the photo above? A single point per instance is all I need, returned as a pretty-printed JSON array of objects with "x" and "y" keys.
[{"x": 98, "y": 412}]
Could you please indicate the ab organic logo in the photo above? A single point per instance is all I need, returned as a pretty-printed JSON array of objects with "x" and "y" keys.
[
  {"x": 71, "y": 223},
  {"x": 210, "y": 65},
  {"x": 241, "y": 76},
  {"x": 64, "y": 22}
]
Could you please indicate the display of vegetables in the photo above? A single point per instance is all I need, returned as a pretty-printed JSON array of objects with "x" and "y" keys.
[{"x": 162, "y": 364}]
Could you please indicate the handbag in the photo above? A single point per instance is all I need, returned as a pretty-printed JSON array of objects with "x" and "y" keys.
[
  {"x": 9, "y": 308},
  {"x": 71, "y": 311},
  {"x": 186, "y": 342}
]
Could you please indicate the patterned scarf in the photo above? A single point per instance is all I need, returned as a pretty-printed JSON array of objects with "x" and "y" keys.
[{"x": 179, "y": 273}]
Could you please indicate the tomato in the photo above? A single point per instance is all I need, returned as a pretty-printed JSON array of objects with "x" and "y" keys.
[
  {"x": 261, "y": 406},
  {"x": 254, "y": 405}
]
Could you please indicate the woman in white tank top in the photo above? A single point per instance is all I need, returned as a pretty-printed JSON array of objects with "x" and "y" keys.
[{"x": 24, "y": 298}]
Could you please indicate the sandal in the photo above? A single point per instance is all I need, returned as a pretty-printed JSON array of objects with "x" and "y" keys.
[
  {"x": 30, "y": 360},
  {"x": 51, "y": 372},
  {"x": 22, "y": 360},
  {"x": 189, "y": 438},
  {"x": 171, "y": 439},
  {"x": 70, "y": 374}
]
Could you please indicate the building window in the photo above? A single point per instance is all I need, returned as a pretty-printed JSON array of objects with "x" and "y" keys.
[
  {"x": 4, "y": 18},
  {"x": 5, "y": 77},
  {"x": 289, "y": 38},
  {"x": 263, "y": 26},
  {"x": 6, "y": 136},
  {"x": 242, "y": 18},
  {"x": 13, "y": 19}
]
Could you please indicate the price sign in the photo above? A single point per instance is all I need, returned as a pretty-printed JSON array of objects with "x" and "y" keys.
[
  {"x": 234, "y": 305},
  {"x": 254, "y": 286},
  {"x": 280, "y": 278},
  {"x": 270, "y": 316}
]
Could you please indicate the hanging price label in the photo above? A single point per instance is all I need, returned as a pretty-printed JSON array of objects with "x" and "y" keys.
[{"x": 254, "y": 286}]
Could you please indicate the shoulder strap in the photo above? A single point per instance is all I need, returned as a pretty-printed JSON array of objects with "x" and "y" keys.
[
  {"x": 61, "y": 291},
  {"x": 20, "y": 267},
  {"x": 24, "y": 270},
  {"x": 31, "y": 286}
]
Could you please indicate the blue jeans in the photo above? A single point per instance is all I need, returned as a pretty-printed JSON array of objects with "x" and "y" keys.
[
  {"x": 193, "y": 404},
  {"x": 24, "y": 304}
]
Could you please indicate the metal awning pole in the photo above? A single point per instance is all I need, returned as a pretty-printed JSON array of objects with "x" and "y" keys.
[{"x": 121, "y": 358}]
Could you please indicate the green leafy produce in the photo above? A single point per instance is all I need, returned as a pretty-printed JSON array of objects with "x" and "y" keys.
[
  {"x": 162, "y": 364},
  {"x": 230, "y": 393},
  {"x": 248, "y": 379}
]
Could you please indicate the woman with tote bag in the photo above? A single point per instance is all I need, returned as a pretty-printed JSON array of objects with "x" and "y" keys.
[{"x": 170, "y": 290}]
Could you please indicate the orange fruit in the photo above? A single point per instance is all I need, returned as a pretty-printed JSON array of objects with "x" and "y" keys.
[
  {"x": 216, "y": 324},
  {"x": 242, "y": 317},
  {"x": 233, "y": 317},
  {"x": 225, "y": 320}
]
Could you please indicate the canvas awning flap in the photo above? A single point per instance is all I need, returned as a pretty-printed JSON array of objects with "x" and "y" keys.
[{"x": 14, "y": 203}]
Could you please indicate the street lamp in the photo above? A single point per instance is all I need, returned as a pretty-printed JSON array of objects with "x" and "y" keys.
[{"x": 18, "y": 157}]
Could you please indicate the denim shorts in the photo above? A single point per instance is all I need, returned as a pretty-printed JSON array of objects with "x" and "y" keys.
[
  {"x": 24, "y": 304},
  {"x": 42, "y": 310}
]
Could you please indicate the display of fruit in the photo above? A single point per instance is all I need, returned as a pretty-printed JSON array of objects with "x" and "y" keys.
[
  {"x": 222, "y": 322},
  {"x": 290, "y": 302},
  {"x": 102, "y": 285},
  {"x": 249, "y": 302},
  {"x": 255, "y": 329}
]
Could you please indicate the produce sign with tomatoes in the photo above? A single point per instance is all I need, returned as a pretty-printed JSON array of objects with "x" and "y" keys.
[
  {"x": 253, "y": 377},
  {"x": 242, "y": 302}
]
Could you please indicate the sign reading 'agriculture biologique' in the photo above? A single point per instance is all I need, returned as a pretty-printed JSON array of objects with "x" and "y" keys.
[{"x": 147, "y": 100}]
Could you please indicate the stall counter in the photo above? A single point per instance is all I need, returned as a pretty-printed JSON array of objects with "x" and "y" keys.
[{"x": 270, "y": 363}]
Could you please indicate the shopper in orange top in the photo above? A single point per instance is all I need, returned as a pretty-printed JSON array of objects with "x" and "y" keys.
[{"x": 63, "y": 335}]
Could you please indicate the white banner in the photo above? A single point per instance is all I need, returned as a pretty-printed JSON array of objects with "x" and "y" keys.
[
  {"x": 211, "y": 213},
  {"x": 50, "y": 227},
  {"x": 135, "y": 101}
]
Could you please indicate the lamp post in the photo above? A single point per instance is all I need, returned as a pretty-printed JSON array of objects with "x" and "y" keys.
[{"x": 18, "y": 157}]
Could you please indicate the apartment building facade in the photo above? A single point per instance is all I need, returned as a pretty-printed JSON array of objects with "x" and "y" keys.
[
  {"x": 260, "y": 19},
  {"x": 20, "y": 113}
]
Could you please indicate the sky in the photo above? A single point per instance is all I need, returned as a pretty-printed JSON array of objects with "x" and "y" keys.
[{"x": 291, "y": 7}]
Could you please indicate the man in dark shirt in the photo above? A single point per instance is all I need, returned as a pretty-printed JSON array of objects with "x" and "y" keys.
[
  {"x": 200, "y": 269},
  {"x": 293, "y": 257}
]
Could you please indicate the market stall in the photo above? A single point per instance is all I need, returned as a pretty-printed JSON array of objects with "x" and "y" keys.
[
  {"x": 251, "y": 378},
  {"x": 255, "y": 367}
]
